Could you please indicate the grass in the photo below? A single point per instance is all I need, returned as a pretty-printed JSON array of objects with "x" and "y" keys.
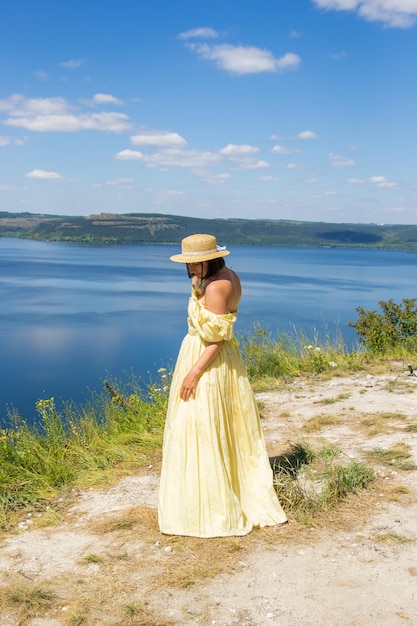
[
  {"x": 285, "y": 356},
  {"x": 393, "y": 538},
  {"x": 399, "y": 386},
  {"x": 27, "y": 599},
  {"x": 138, "y": 614},
  {"x": 398, "y": 456},
  {"x": 118, "y": 430},
  {"x": 383, "y": 422},
  {"x": 92, "y": 558},
  {"x": 339, "y": 398},
  {"x": 318, "y": 422},
  {"x": 313, "y": 482}
]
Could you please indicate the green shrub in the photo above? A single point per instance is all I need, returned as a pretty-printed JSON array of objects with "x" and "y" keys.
[{"x": 395, "y": 327}]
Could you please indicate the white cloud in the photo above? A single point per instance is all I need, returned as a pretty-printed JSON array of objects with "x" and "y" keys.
[
  {"x": 172, "y": 157},
  {"x": 172, "y": 193},
  {"x": 199, "y": 33},
  {"x": 17, "y": 141},
  {"x": 337, "y": 160},
  {"x": 336, "y": 56},
  {"x": 232, "y": 149},
  {"x": 18, "y": 106},
  {"x": 41, "y": 75},
  {"x": 245, "y": 59},
  {"x": 311, "y": 181},
  {"x": 107, "y": 122},
  {"x": 120, "y": 183},
  {"x": 294, "y": 166},
  {"x": 268, "y": 178},
  {"x": 129, "y": 155},
  {"x": 12, "y": 188},
  {"x": 44, "y": 175},
  {"x": 212, "y": 179},
  {"x": 72, "y": 64},
  {"x": 392, "y": 13},
  {"x": 355, "y": 181},
  {"x": 307, "y": 134},
  {"x": 56, "y": 114},
  {"x": 381, "y": 181},
  {"x": 278, "y": 149},
  {"x": 251, "y": 164},
  {"x": 104, "y": 98},
  {"x": 159, "y": 138}
]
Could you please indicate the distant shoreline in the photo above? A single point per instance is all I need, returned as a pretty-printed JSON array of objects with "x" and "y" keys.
[{"x": 160, "y": 229}]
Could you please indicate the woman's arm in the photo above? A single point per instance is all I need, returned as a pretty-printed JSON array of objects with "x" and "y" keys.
[
  {"x": 215, "y": 301},
  {"x": 189, "y": 384}
]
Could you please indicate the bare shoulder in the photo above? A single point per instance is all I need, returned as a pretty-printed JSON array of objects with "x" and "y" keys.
[
  {"x": 217, "y": 294},
  {"x": 222, "y": 294}
]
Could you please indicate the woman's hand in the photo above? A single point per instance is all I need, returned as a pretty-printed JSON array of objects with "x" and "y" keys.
[{"x": 189, "y": 386}]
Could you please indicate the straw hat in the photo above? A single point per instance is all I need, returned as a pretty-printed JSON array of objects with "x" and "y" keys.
[{"x": 199, "y": 248}]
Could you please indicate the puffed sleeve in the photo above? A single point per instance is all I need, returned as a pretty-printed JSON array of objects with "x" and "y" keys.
[{"x": 210, "y": 326}]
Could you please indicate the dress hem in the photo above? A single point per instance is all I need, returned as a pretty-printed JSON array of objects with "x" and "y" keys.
[{"x": 233, "y": 533}]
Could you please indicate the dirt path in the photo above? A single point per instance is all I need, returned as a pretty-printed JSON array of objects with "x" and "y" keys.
[{"x": 104, "y": 561}]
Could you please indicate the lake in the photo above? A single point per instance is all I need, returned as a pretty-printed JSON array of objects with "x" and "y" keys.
[{"x": 73, "y": 315}]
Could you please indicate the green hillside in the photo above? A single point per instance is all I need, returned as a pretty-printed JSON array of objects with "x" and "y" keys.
[{"x": 147, "y": 228}]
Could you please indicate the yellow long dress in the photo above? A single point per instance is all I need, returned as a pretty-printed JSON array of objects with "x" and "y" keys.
[{"x": 216, "y": 479}]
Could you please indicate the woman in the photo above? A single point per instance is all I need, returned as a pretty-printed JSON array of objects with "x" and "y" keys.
[{"x": 216, "y": 479}]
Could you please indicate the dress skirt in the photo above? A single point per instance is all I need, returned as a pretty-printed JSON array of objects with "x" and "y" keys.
[{"x": 216, "y": 480}]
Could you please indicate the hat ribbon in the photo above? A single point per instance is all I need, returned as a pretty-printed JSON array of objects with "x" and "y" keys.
[{"x": 199, "y": 252}]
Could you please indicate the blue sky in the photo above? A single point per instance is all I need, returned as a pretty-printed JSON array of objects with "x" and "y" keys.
[{"x": 281, "y": 109}]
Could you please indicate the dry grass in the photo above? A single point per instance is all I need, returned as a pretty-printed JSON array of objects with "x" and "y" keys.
[
  {"x": 339, "y": 398},
  {"x": 382, "y": 423},
  {"x": 318, "y": 422},
  {"x": 173, "y": 561},
  {"x": 393, "y": 538},
  {"x": 398, "y": 456},
  {"x": 399, "y": 386},
  {"x": 27, "y": 600}
]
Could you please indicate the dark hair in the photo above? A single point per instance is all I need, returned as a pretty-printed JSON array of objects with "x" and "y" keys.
[{"x": 213, "y": 266}]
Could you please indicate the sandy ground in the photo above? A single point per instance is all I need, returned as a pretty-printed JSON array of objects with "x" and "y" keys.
[{"x": 360, "y": 572}]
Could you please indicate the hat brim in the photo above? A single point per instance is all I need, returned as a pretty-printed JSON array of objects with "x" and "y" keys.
[{"x": 198, "y": 258}]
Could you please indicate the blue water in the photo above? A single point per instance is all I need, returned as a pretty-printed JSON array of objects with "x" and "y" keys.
[{"x": 73, "y": 315}]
